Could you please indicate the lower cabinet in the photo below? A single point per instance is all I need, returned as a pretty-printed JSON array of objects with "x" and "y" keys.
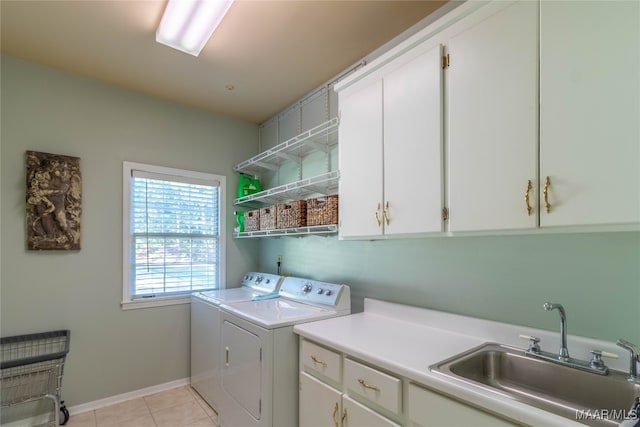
[
  {"x": 337, "y": 391},
  {"x": 427, "y": 408},
  {"x": 355, "y": 414},
  {"x": 340, "y": 392},
  {"x": 322, "y": 406}
]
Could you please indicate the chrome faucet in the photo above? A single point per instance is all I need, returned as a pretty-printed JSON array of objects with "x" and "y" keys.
[
  {"x": 596, "y": 365},
  {"x": 564, "y": 351},
  {"x": 635, "y": 359}
]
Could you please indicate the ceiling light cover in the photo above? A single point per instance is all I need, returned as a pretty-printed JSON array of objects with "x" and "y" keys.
[{"x": 187, "y": 24}]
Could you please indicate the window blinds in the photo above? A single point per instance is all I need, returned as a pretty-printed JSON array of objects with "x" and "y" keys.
[{"x": 174, "y": 234}]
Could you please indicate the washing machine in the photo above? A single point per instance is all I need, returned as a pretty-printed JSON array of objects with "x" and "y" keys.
[
  {"x": 206, "y": 323},
  {"x": 259, "y": 351}
]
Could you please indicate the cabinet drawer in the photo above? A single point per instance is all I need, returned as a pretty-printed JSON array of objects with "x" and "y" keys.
[
  {"x": 321, "y": 362},
  {"x": 373, "y": 385},
  {"x": 427, "y": 408}
]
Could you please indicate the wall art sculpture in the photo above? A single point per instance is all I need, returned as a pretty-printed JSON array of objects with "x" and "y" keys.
[{"x": 54, "y": 196}]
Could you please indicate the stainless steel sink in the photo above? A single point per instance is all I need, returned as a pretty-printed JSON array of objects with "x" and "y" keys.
[{"x": 574, "y": 394}]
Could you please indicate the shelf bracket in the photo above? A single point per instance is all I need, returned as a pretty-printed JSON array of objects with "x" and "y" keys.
[
  {"x": 267, "y": 166},
  {"x": 288, "y": 156},
  {"x": 320, "y": 147}
]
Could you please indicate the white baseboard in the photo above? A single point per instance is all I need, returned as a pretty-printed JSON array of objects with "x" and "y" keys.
[{"x": 112, "y": 400}]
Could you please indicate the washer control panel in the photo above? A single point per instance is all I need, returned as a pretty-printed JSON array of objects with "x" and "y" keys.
[
  {"x": 311, "y": 291},
  {"x": 262, "y": 281}
]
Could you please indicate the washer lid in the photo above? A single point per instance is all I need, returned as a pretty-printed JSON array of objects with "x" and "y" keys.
[
  {"x": 278, "y": 312},
  {"x": 221, "y": 296},
  {"x": 253, "y": 284}
]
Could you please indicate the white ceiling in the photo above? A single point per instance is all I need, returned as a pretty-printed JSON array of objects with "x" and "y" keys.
[{"x": 272, "y": 52}]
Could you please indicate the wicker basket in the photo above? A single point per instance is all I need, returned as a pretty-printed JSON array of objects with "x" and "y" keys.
[
  {"x": 292, "y": 214},
  {"x": 322, "y": 210},
  {"x": 252, "y": 220},
  {"x": 268, "y": 218}
]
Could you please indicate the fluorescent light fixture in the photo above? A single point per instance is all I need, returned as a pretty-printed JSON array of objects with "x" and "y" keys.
[{"x": 187, "y": 24}]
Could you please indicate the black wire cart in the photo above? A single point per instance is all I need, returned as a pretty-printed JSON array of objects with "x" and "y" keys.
[{"x": 31, "y": 369}]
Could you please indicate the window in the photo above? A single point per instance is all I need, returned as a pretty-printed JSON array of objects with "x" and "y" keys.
[{"x": 173, "y": 234}]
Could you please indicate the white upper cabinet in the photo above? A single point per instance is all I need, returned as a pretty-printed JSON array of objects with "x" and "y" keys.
[
  {"x": 391, "y": 149},
  {"x": 530, "y": 90},
  {"x": 360, "y": 154},
  {"x": 413, "y": 189},
  {"x": 590, "y": 112},
  {"x": 492, "y": 98}
]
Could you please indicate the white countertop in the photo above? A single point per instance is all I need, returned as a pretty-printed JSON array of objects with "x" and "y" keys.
[{"x": 407, "y": 340}]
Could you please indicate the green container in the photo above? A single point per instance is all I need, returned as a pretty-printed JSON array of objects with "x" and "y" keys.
[
  {"x": 247, "y": 185},
  {"x": 239, "y": 221}
]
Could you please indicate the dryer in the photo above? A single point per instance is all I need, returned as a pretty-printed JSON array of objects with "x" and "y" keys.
[
  {"x": 259, "y": 351},
  {"x": 206, "y": 325}
]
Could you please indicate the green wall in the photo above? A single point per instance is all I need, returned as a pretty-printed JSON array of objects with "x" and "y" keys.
[
  {"x": 596, "y": 276},
  {"x": 112, "y": 351}
]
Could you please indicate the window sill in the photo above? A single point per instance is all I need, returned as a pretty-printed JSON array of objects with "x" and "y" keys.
[{"x": 155, "y": 302}]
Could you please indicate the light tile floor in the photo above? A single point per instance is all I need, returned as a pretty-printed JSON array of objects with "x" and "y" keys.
[{"x": 178, "y": 407}]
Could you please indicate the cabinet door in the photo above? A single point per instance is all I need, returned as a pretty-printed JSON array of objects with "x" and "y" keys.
[
  {"x": 360, "y": 153},
  {"x": 590, "y": 112},
  {"x": 320, "y": 405},
  {"x": 413, "y": 189},
  {"x": 356, "y": 415},
  {"x": 492, "y": 85}
]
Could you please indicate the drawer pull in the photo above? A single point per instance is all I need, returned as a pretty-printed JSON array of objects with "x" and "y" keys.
[
  {"x": 319, "y": 361},
  {"x": 364, "y": 384},
  {"x": 335, "y": 415}
]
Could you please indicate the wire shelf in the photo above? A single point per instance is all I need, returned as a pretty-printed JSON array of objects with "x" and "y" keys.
[
  {"x": 298, "y": 231},
  {"x": 322, "y": 137},
  {"x": 325, "y": 184}
]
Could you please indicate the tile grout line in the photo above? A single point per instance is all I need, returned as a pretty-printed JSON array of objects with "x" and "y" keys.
[
  {"x": 205, "y": 406},
  {"x": 155, "y": 423}
]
